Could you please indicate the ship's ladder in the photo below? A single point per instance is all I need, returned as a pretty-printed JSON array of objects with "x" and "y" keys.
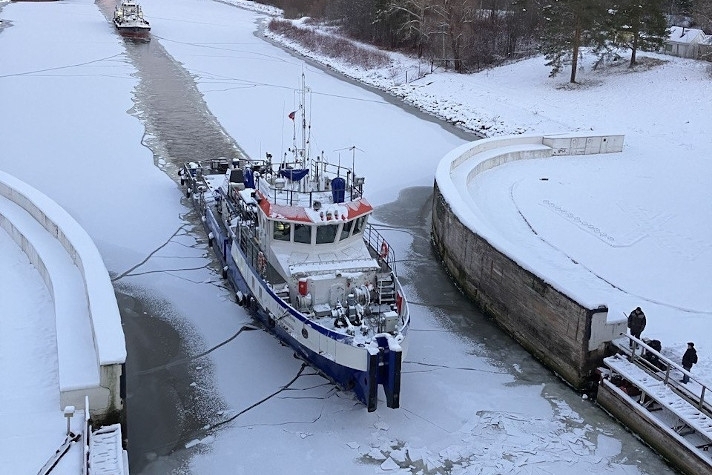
[{"x": 386, "y": 288}]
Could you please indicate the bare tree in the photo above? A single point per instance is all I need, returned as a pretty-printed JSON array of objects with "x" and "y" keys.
[
  {"x": 452, "y": 18},
  {"x": 702, "y": 14},
  {"x": 299, "y": 8},
  {"x": 471, "y": 34},
  {"x": 414, "y": 25}
]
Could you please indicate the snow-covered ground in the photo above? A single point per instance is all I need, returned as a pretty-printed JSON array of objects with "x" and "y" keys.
[
  {"x": 64, "y": 97},
  {"x": 639, "y": 222}
]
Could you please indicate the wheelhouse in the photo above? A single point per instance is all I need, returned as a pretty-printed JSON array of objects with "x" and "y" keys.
[{"x": 314, "y": 234}]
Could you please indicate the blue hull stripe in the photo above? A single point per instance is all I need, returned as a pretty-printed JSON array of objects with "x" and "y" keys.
[{"x": 384, "y": 368}]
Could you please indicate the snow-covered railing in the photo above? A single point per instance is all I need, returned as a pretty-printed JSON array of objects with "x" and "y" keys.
[
  {"x": 105, "y": 320},
  {"x": 670, "y": 365},
  {"x": 663, "y": 394},
  {"x": 102, "y": 450}
]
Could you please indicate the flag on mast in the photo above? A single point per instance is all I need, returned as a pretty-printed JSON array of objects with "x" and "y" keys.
[{"x": 292, "y": 114}]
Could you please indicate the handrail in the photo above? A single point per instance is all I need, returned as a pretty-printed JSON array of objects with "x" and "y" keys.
[
  {"x": 375, "y": 241},
  {"x": 294, "y": 197},
  {"x": 670, "y": 364}
]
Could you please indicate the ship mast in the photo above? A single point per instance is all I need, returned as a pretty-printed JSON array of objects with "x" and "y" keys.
[
  {"x": 301, "y": 159},
  {"x": 302, "y": 106},
  {"x": 305, "y": 142}
]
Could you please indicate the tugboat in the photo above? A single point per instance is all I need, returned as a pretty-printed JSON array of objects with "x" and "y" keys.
[
  {"x": 296, "y": 246},
  {"x": 129, "y": 20}
]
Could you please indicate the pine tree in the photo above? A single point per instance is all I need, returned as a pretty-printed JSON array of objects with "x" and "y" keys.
[
  {"x": 568, "y": 26},
  {"x": 642, "y": 25}
]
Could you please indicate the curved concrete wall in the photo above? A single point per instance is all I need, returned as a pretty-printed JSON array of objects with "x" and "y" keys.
[
  {"x": 568, "y": 336},
  {"x": 108, "y": 336}
]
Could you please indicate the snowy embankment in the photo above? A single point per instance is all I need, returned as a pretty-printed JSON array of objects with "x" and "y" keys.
[{"x": 654, "y": 199}]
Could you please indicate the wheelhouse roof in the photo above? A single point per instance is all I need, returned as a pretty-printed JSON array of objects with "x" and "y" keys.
[{"x": 327, "y": 213}]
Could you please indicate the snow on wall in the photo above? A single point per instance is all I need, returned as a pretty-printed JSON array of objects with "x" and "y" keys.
[
  {"x": 539, "y": 298},
  {"x": 106, "y": 320},
  {"x": 459, "y": 167}
]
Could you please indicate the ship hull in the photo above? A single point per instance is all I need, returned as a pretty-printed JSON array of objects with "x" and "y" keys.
[
  {"x": 351, "y": 367},
  {"x": 133, "y": 31}
]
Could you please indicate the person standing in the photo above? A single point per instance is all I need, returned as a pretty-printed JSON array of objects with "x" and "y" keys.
[
  {"x": 636, "y": 323},
  {"x": 688, "y": 359}
]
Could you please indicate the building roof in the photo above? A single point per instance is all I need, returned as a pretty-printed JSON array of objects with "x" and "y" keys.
[{"x": 680, "y": 34}]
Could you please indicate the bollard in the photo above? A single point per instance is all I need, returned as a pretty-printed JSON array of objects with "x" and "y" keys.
[{"x": 69, "y": 413}]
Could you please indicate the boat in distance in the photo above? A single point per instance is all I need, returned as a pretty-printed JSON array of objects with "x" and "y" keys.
[
  {"x": 295, "y": 244},
  {"x": 129, "y": 20}
]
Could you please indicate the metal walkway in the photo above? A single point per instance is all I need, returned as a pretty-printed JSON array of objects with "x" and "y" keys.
[{"x": 651, "y": 382}]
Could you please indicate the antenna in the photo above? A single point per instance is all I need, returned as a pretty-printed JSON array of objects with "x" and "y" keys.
[
  {"x": 302, "y": 106},
  {"x": 353, "y": 160},
  {"x": 353, "y": 149},
  {"x": 281, "y": 145}
]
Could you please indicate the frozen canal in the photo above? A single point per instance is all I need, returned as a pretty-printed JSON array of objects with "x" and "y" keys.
[
  {"x": 205, "y": 397},
  {"x": 182, "y": 128}
]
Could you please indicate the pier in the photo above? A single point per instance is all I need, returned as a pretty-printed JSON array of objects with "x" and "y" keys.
[{"x": 672, "y": 417}]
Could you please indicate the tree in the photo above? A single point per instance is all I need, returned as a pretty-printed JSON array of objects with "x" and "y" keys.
[
  {"x": 411, "y": 23},
  {"x": 569, "y": 25},
  {"x": 357, "y": 17},
  {"x": 642, "y": 25},
  {"x": 702, "y": 14},
  {"x": 523, "y": 24},
  {"x": 299, "y": 8},
  {"x": 451, "y": 17},
  {"x": 684, "y": 7},
  {"x": 365, "y": 21}
]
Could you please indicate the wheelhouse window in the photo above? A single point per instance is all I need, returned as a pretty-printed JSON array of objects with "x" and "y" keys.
[
  {"x": 359, "y": 224},
  {"x": 281, "y": 231},
  {"x": 326, "y": 233},
  {"x": 302, "y": 233},
  {"x": 346, "y": 230}
]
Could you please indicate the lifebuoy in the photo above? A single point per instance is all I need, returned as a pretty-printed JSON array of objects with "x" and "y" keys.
[{"x": 384, "y": 249}]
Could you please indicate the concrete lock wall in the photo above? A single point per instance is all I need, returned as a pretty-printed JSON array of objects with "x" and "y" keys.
[
  {"x": 568, "y": 337},
  {"x": 110, "y": 350}
]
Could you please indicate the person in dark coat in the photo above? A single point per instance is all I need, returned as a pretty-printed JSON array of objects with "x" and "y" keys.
[
  {"x": 636, "y": 323},
  {"x": 653, "y": 358},
  {"x": 688, "y": 359}
]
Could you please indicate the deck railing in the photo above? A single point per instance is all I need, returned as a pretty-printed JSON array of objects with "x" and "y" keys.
[{"x": 376, "y": 242}]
